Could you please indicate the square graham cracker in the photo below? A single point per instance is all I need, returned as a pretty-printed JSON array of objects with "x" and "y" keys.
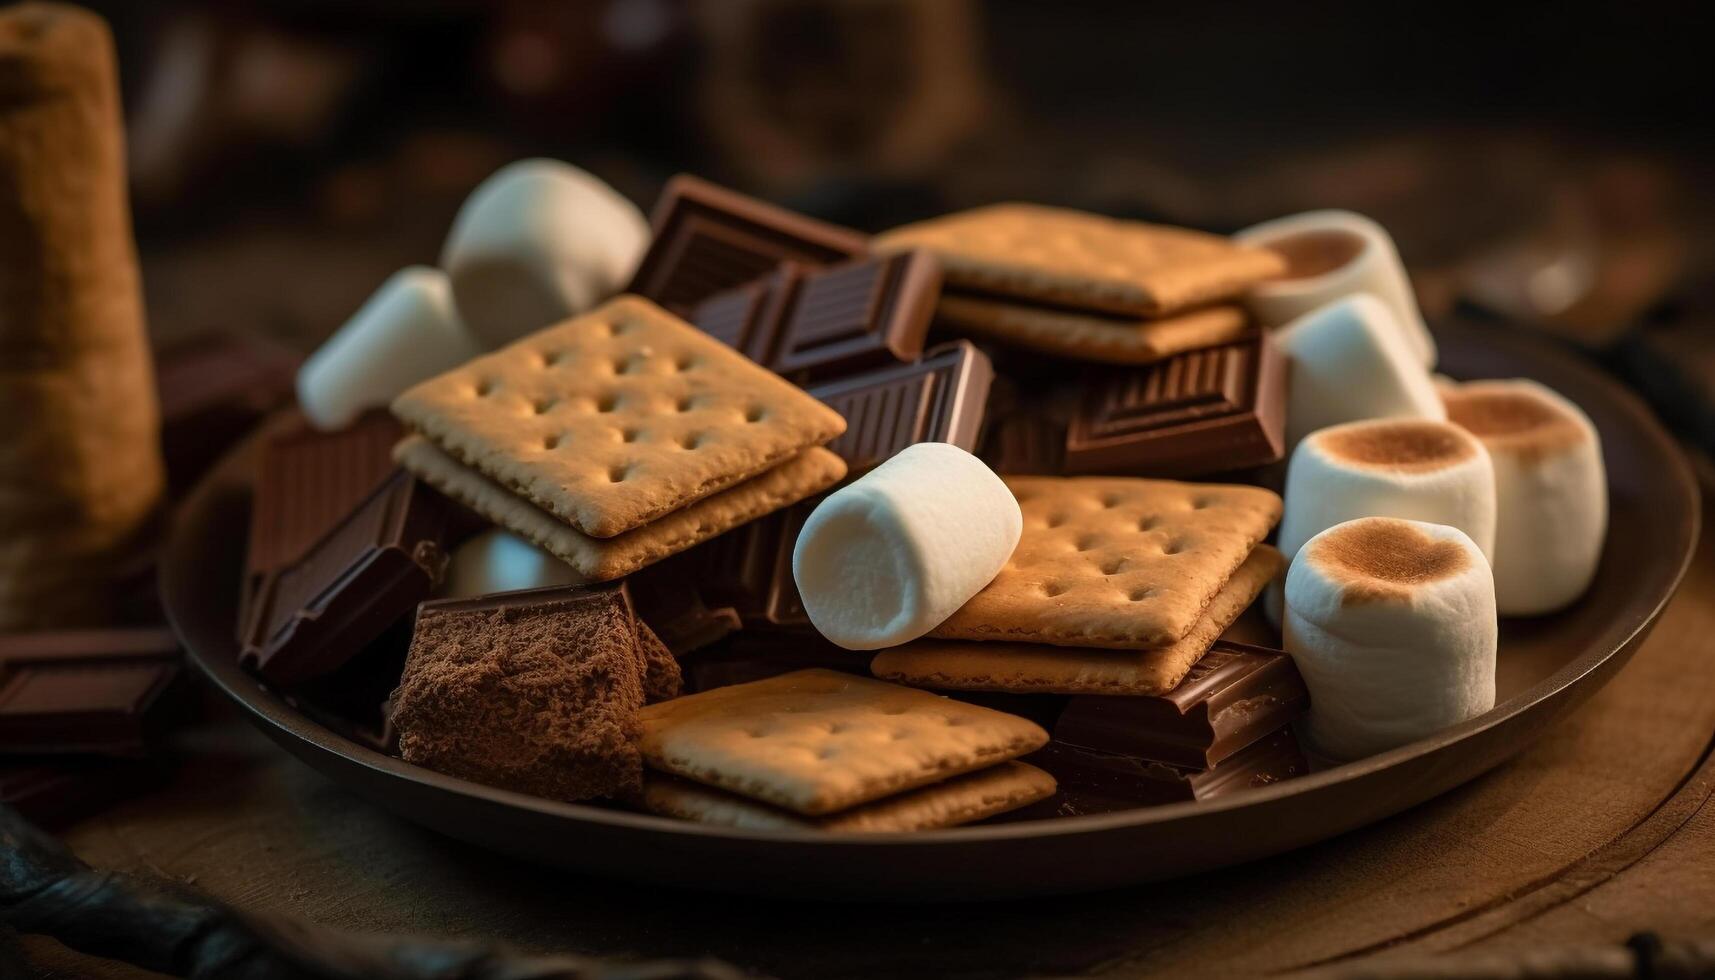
[
  {"x": 614, "y": 418},
  {"x": 959, "y": 800},
  {"x": 817, "y": 741},
  {"x": 604, "y": 559},
  {"x": 1084, "y": 261},
  {"x": 1106, "y": 338},
  {"x": 1034, "y": 668},
  {"x": 1115, "y": 562}
]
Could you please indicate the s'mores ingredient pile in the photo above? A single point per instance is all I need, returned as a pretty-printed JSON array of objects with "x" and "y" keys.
[{"x": 754, "y": 520}]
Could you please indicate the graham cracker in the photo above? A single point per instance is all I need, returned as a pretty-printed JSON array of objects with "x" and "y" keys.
[
  {"x": 1115, "y": 562},
  {"x": 819, "y": 741},
  {"x": 960, "y": 800},
  {"x": 604, "y": 559},
  {"x": 1085, "y": 261},
  {"x": 1090, "y": 336},
  {"x": 1033, "y": 668},
  {"x": 616, "y": 417}
]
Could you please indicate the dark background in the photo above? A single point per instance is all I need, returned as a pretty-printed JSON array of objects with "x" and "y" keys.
[{"x": 1540, "y": 165}]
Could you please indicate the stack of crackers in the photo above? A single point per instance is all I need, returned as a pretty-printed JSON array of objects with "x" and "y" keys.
[
  {"x": 617, "y": 438},
  {"x": 818, "y": 749},
  {"x": 1117, "y": 586},
  {"x": 1086, "y": 286}
]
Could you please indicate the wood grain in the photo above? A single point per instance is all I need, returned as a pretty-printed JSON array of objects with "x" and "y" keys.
[{"x": 1603, "y": 828}]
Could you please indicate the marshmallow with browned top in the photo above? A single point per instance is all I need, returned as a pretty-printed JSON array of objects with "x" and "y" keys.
[
  {"x": 1331, "y": 254},
  {"x": 1550, "y": 487},
  {"x": 537, "y": 242},
  {"x": 1349, "y": 361},
  {"x": 1417, "y": 469},
  {"x": 1392, "y": 623}
]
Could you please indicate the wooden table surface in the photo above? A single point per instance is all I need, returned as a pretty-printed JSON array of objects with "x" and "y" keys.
[{"x": 1602, "y": 829}]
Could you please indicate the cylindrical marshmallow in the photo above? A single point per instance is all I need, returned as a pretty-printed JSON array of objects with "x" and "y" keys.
[
  {"x": 537, "y": 242},
  {"x": 497, "y": 561},
  {"x": 1330, "y": 255},
  {"x": 1551, "y": 490},
  {"x": 407, "y": 332},
  {"x": 1418, "y": 469},
  {"x": 1349, "y": 363},
  {"x": 1392, "y": 624},
  {"x": 889, "y": 557}
]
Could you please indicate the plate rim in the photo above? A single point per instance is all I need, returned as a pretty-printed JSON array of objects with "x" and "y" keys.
[{"x": 269, "y": 708}]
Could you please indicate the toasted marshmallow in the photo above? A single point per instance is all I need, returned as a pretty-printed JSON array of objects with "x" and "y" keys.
[
  {"x": 496, "y": 561},
  {"x": 1551, "y": 491},
  {"x": 1349, "y": 363},
  {"x": 1417, "y": 469},
  {"x": 1392, "y": 623},
  {"x": 886, "y": 559},
  {"x": 537, "y": 242},
  {"x": 407, "y": 332},
  {"x": 1331, "y": 255}
]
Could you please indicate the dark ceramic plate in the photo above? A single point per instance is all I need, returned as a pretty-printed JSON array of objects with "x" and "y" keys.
[{"x": 1547, "y": 667}]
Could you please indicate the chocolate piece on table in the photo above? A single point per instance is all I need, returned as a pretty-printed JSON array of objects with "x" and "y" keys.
[
  {"x": 1233, "y": 696},
  {"x": 708, "y": 239},
  {"x": 54, "y": 792},
  {"x": 84, "y": 691},
  {"x": 817, "y": 323},
  {"x": 214, "y": 389},
  {"x": 941, "y": 398},
  {"x": 667, "y": 598},
  {"x": 535, "y": 691},
  {"x": 352, "y": 700},
  {"x": 1092, "y": 781},
  {"x": 1201, "y": 412},
  {"x": 308, "y": 481},
  {"x": 370, "y": 571}
]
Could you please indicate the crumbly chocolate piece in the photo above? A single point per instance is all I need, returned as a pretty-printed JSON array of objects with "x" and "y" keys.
[
  {"x": 534, "y": 691},
  {"x": 661, "y": 677}
]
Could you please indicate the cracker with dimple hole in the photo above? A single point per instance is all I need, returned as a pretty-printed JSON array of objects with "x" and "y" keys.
[
  {"x": 960, "y": 800},
  {"x": 819, "y": 741},
  {"x": 614, "y": 418},
  {"x": 604, "y": 559},
  {"x": 1085, "y": 261},
  {"x": 1118, "y": 563},
  {"x": 1090, "y": 336},
  {"x": 1034, "y": 668}
]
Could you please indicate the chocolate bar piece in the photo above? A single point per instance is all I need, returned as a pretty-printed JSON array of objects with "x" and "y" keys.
[
  {"x": 708, "y": 239},
  {"x": 807, "y": 323},
  {"x": 373, "y": 568},
  {"x": 1233, "y": 696},
  {"x": 308, "y": 481},
  {"x": 213, "y": 390},
  {"x": 84, "y": 691},
  {"x": 941, "y": 398},
  {"x": 1092, "y": 781},
  {"x": 1201, "y": 412}
]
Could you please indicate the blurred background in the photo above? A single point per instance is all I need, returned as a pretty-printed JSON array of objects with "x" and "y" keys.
[{"x": 1541, "y": 168}]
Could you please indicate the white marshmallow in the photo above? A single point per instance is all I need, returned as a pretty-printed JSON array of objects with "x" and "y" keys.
[
  {"x": 1418, "y": 469},
  {"x": 1349, "y": 363},
  {"x": 537, "y": 242},
  {"x": 1551, "y": 490},
  {"x": 407, "y": 332},
  {"x": 1392, "y": 623},
  {"x": 889, "y": 557},
  {"x": 1333, "y": 254},
  {"x": 496, "y": 561}
]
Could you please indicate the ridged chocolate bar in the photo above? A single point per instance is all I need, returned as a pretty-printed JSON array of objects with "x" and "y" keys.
[
  {"x": 1098, "y": 782},
  {"x": 84, "y": 691},
  {"x": 1201, "y": 412},
  {"x": 373, "y": 568},
  {"x": 1232, "y": 697},
  {"x": 708, "y": 239},
  {"x": 308, "y": 481},
  {"x": 808, "y": 323}
]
